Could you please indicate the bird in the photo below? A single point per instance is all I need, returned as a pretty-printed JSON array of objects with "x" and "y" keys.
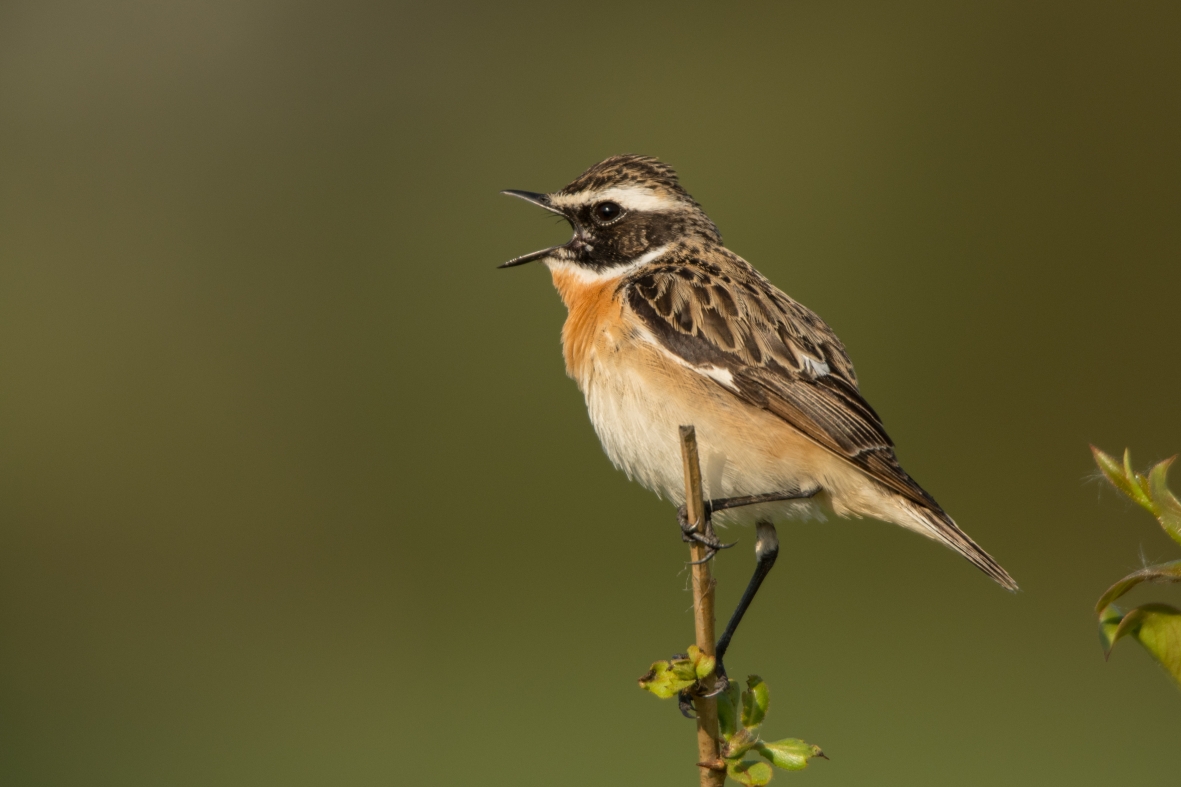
[{"x": 666, "y": 326}]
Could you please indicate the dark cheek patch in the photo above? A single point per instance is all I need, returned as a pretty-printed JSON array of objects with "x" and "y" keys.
[
  {"x": 631, "y": 236},
  {"x": 631, "y": 241}
]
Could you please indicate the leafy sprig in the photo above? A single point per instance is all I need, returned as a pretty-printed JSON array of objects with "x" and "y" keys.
[
  {"x": 1157, "y": 627},
  {"x": 740, "y": 716}
]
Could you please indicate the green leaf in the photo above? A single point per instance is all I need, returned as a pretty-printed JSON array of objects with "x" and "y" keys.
[
  {"x": 1114, "y": 472},
  {"x": 1168, "y": 508},
  {"x": 728, "y": 704},
  {"x": 755, "y": 700},
  {"x": 1164, "y": 572},
  {"x": 749, "y": 772},
  {"x": 668, "y": 678},
  {"x": 1158, "y": 628},
  {"x": 791, "y": 754},
  {"x": 1109, "y": 620}
]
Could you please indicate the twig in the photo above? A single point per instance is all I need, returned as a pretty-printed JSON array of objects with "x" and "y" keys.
[{"x": 703, "y": 613}]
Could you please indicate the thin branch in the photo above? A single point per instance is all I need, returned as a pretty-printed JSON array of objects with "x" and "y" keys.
[{"x": 703, "y": 613}]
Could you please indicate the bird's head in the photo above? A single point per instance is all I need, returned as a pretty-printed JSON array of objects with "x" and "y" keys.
[{"x": 620, "y": 209}]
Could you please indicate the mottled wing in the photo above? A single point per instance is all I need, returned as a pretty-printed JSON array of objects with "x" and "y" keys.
[{"x": 733, "y": 325}]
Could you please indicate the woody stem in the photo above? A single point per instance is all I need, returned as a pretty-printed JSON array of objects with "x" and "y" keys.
[{"x": 703, "y": 613}]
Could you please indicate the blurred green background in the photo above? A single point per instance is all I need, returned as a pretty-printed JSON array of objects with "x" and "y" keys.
[{"x": 293, "y": 488}]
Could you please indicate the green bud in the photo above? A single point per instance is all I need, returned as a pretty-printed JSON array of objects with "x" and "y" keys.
[{"x": 739, "y": 744}]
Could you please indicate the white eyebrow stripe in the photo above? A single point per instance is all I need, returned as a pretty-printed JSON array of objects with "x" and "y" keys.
[{"x": 636, "y": 198}]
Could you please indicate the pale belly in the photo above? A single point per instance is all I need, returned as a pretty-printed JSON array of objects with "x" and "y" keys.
[{"x": 638, "y": 398}]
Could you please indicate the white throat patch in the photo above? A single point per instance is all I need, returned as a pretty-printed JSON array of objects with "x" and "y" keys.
[{"x": 590, "y": 275}]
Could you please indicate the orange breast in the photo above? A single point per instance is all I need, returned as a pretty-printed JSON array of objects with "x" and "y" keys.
[{"x": 594, "y": 315}]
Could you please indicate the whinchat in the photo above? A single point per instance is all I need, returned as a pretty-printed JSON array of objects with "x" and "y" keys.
[{"x": 666, "y": 326}]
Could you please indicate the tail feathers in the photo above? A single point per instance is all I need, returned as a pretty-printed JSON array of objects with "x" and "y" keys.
[{"x": 939, "y": 526}]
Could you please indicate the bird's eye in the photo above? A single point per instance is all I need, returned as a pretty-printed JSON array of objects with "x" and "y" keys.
[{"x": 607, "y": 211}]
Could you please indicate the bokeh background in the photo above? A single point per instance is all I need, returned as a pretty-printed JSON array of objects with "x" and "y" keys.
[{"x": 293, "y": 488}]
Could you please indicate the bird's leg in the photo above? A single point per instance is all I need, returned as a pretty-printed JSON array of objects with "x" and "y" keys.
[
  {"x": 766, "y": 550},
  {"x": 722, "y": 503},
  {"x": 690, "y": 534}
]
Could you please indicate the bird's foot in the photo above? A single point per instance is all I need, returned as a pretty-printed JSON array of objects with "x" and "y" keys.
[
  {"x": 686, "y": 697},
  {"x": 685, "y": 705},
  {"x": 691, "y": 535}
]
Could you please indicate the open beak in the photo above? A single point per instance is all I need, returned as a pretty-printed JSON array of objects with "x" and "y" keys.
[
  {"x": 541, "y": 200},
  {"x": 536, "y": 255},
  {"x": 534, "y": 197}
]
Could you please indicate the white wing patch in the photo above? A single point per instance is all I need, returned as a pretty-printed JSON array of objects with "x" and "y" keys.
[
  {"x": 723, "y": 376},
  {"x": 814, "y": 367}
]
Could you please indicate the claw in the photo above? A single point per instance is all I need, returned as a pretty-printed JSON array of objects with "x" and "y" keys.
[
  {"x": 691, "y": 535},
  {"x": 721, "y": 680},
  {"x": 710, "y": 552},
  {"x": 719, "y": 687},
  {"x": 708, "y": 541},
  {"x": 685, "y": 698}
]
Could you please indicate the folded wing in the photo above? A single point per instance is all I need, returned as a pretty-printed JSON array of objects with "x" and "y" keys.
[{"x": 769, "y": 351}]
